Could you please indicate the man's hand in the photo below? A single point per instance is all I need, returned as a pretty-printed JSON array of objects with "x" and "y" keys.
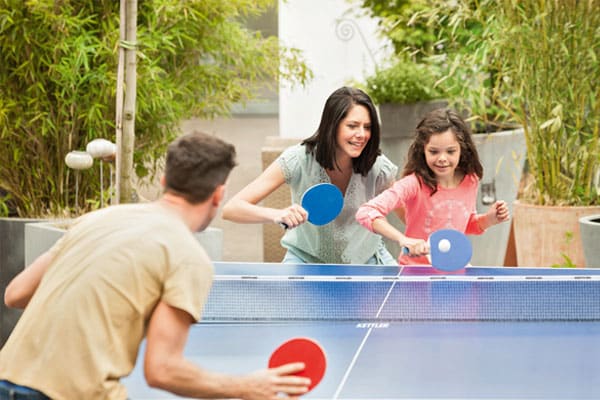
[{"x": 269, "y": 384}]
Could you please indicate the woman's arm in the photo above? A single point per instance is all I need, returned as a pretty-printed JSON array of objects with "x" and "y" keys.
[{"x": 243, "y": 206}]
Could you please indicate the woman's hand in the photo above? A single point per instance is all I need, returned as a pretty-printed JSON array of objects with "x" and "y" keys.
[{"x": 291, "y": 216}]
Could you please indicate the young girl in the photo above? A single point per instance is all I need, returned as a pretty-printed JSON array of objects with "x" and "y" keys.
[
  {"x": 438, "y": 189},
  {"x": 343, "y": 151}
]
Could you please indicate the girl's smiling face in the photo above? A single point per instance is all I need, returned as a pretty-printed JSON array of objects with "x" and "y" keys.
[{"x": 442, "y": 154}]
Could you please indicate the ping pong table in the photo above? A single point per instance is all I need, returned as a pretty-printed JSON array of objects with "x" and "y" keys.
[{"x": 407, "y": 332}]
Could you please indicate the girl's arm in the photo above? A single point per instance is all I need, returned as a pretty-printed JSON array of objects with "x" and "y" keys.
[
  {"x": 415, "y": 247},
  {"x": 372, "y": 215},
  {"x": 378, "y": 207},
  {"x": 243, "y": 206}
]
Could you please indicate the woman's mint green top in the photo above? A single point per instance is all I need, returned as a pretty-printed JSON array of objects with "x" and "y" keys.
[{"x": 344, "y": 240}]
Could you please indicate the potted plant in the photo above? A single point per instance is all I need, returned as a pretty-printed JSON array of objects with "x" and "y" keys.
[
  {"x": 546, "y": 58},
  {"x": 589, "y": 227},
  {"x": 404, "y": 93}
]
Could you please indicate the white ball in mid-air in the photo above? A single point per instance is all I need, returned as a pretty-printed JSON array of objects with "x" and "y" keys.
[{"x": 444, "y": 245}]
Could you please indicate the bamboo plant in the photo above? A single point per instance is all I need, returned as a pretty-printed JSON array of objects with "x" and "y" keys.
[
  {"x": 541, "y": 60},
  {"x": 58, "y": 67},
  {"x": 443, "y": 42},
  {"x": 548, "y": 52}
]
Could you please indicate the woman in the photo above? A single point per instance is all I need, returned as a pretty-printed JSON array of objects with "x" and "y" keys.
[{"x": 344, "y": 151}]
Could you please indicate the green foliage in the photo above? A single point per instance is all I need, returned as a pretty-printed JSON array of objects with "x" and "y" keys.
[
  {"x": 58, "y": 63},
  {"x": 567, "y": 261},
  {"x": 534, "y": 63},
  {"x": 546, "y": 55},
  {"x": 446, "y": 37},
  {"x": 405, "y": 82},
  {"x": 399, "y": 22},
  {"x": 414, "y": 69},
  {"x": 423, "y": 28}
]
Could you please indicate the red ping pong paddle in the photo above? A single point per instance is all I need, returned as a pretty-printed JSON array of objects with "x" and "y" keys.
[
  {"x": 304, "y": 350},
  {"x": 323, "y": 202}
]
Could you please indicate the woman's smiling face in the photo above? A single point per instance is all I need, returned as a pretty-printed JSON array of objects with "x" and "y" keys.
[{"x": 353, "y": 132}]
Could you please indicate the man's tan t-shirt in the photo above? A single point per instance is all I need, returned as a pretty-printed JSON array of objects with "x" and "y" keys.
[{"x": 81, "y": 330}]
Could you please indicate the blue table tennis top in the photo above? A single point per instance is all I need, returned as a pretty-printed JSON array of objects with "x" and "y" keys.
[
  {"x": 262, "y": 269},
  {"x": 407, "y": 332}
]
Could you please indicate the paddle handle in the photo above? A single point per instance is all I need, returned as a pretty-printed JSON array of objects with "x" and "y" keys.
[{"x": 407, "y": 252}]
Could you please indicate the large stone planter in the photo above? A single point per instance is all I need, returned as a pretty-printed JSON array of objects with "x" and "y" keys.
[
  {"x": 502, "y": 155},
  {"x": 547, "y": 236},
  {"x": 398, "y": 123},
  {"x": 40, "y": 236},
  {"x": 589, "y": 228}
]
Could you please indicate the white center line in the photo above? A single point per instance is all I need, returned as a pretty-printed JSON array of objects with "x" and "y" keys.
[{"x": 357, "y": 353}]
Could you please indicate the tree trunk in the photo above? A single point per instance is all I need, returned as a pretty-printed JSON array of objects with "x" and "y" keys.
[
  {"x": 125, "y": 152},
  {"x": 119, "y": 105}
]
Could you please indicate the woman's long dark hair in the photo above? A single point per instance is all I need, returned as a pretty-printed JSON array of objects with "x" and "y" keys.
[{"x": 323, "y": 143}]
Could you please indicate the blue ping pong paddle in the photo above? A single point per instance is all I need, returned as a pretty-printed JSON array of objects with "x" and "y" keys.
[
  {"x": 449, "y": 250},
  {"x": 323, "y": 202}
]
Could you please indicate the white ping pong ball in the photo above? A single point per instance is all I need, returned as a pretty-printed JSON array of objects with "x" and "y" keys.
[{"x": 444, "y": 245}]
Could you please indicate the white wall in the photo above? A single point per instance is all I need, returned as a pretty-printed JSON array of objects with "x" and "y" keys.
[{"x": 339, "y": 46}]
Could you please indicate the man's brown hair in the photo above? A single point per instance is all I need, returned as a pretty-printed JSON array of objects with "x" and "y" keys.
[{"x": 196, "y": 164}]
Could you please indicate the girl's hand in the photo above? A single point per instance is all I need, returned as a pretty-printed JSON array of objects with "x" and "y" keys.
[
  {"x": 291, "y": 216},
  {"x": 415, "y": 247},
  {"x": 498, "y": 213}
]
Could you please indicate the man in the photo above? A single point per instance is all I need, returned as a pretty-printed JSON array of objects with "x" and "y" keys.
[{"x": 123, "y": 273}]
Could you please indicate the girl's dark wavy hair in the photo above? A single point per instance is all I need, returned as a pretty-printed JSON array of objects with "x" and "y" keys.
[
  {"x": 322, "y": 143},
  {"x": 436, "y": 122}
]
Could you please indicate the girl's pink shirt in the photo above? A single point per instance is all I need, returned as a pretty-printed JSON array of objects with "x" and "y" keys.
[{"x": 424, "y": 214}]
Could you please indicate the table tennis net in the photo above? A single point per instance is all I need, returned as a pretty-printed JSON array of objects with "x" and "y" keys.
[{"x": 282, "y": 300}]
